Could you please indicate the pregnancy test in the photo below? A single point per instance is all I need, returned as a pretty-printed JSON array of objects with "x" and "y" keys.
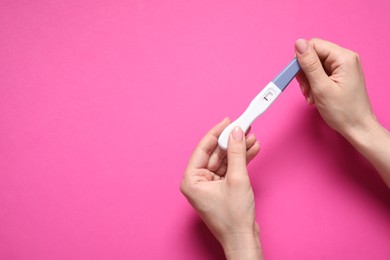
[{"x": 261, "y": 102}]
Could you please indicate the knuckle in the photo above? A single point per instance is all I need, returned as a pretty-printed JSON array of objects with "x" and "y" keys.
[
  {"x": 356, "y": 57},
  {"x": 351, "y": 58}
]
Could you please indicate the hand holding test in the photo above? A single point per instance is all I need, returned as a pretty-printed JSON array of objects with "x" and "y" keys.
[{"x": 261, "y": 102}]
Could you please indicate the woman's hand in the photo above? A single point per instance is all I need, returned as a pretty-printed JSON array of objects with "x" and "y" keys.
[
  {"x": 332, "y": 79},
  {"x": 217, "y": 185}
]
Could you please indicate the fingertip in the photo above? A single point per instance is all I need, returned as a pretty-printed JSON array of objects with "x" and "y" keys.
[
  {"x": 301, "y": 46},
  {"x": 253, "y": 151},
  {"x": 256, "y": 147},
  {"x": 225, "y": 121},
  {"x": 251, "y": 136},
  {"x": 250, "y": 141}
]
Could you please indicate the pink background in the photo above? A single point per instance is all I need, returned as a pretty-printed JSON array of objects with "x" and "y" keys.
[{"x": 102, "y": 102}]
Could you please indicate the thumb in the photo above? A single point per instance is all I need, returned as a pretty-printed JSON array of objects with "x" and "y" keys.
[
  {"x": 236, "y": 156},
  {"x": 310, "y": 64}
]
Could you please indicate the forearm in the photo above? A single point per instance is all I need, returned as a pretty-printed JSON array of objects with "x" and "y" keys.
[
  {"x": 373, "y": 142},
  {"x": 245, "y": 247}
]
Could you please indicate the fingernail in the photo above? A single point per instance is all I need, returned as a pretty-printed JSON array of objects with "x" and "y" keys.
[
  {"x": 237, "y": 134},
  {"x": 301, "y": 46}
]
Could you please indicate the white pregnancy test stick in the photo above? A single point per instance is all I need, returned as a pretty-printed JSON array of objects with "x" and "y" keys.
[{"x": 261, "y": 102}]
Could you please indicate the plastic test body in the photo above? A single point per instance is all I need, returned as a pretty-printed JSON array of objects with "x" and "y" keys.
[{"x": 261, "y": 102}]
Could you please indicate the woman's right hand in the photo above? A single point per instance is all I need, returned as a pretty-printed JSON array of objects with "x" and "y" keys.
[{"x": 333, "y": 80}]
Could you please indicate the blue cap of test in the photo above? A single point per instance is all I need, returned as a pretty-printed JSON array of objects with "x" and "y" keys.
[{"x": 285, "y": 77}]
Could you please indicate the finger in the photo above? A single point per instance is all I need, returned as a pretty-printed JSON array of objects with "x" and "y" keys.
[
  {"x": 236, "y": 154},
  {"x": 252, "y": 152},
  {"x": 201, "y": 155},
  {"x": 303, "y": 82},
  {"x": 219, "y": 154},
  {"x": 329, "y": 53},
  {"x": 250, "y": 141},
  {"x": 248, "y": 130},
  {"x": 310, "y": 64},
  {"x": 326, "y": 50},
  {"x": 305, "y": 88},
  {"x": 216, "y": 159},
  {"x": 221, "y": 171}
]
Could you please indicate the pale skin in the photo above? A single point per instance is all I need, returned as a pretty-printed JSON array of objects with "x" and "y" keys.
[
  {"x": 333, "y": 81},
  {"x": 216, "y": 182},
  {"x": 222, "y": 195}
]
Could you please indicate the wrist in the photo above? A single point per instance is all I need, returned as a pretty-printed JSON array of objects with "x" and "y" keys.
[
  {"x": 362, "y": 131},
  {"x": 242, "y": 246},
  {"x": 374, "y": 144},
  {"x": 367, "y": 137}
]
